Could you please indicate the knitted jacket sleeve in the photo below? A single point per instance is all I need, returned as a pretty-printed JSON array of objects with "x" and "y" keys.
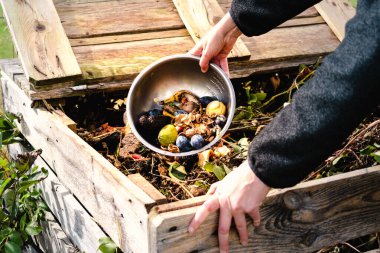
[
  {"x": 255, "y": 17},
  {"x": 323, "y": 112}
]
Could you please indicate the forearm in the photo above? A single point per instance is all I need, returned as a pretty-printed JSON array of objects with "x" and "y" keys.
[
  {"x": 255, "y": 17},
  {"x": 326, "y": 109}
]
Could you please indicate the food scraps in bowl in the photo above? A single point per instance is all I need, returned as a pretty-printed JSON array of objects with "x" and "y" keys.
[{"x": 183, "y": 122}]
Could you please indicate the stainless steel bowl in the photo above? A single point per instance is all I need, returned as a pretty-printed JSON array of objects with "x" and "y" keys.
[{"x": 166, "y": 76}]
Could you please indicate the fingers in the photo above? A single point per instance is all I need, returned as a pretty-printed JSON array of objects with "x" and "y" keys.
[
  {"x": 223, "y": 63},
  {"x": 241, "y": 226},
  {"x": 224, "y": 225},
  {"x": 209, "y": 206},
  {"x": 212, "y": 189},
  {"x": 255, "y": 215}
]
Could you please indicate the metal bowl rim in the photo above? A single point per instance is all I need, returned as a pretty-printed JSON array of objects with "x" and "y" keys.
[{"x": 168, "y": 59}]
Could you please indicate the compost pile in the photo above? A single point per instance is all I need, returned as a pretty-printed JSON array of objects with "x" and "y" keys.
[{"x": 258, "y": 98}]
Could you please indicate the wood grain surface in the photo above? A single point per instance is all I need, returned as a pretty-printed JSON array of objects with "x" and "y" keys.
[
  {"x": 114, "y": 17},
  {"x": 304, "y": 218},
  {"x": 336, "y": 13},
  {"x": 41, "y": 42}
]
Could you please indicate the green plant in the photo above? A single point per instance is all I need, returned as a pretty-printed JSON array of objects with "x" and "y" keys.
[
  {"x": 107, "y": 245},
  {"x": 21, "y": 205}
]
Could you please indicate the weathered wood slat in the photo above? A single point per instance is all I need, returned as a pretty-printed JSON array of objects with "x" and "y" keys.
[
  {"x": 304, "y": 218},
  {"x": 302, "y": 22},
  {"x": 53, "y": 239},
  {"x": 336, "y": 13},
  {"x": 115, "y": 202},
  {"x": 129, "y": 37},
  {"x": 94, "y": 19},
  {"x": 199, "y": 16},
  {"x": 42, "y": 45},
  {"x": 124, "y": 60},
  {"x": 148, "y": 188}
]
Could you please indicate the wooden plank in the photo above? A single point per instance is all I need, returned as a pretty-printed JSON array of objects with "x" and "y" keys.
[
  {"x": 199, "y": 16},
  {"x": 115, "y": 202},
  {"x": 336, "y": 13},
  {"x": 291, "y": 42},
  {"x": 148, "y": 188},
  {"x": 129, "y": 37},
  {"x": 53, "y": 239},
  {"x": 126, "y": 60},
  {"x": 304, "y": 218},
  {"x": 71, "y": 124},
  {"x": 80, "y": 227},
  {"x": 42, "y": 45},
  {"x": 302, "y": 22},
  {"x": 123, "y": 61},
  {"x": 83, "y": 20}
]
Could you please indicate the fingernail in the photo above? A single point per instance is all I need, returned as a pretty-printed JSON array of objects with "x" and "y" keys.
[
  {"x": 223, "y": 251},
  {"x": 244, "y": 243},
  {"x": 191, "y": 230}
]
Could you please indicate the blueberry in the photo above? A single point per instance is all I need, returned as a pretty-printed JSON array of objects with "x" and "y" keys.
[
  {"x": 220, "y": 120},
  {"x": 178, "y": 112},
  {"x": 183, "y": 143},
  {"x": 155, "y": 112},
  {"x": 206, "y": 100},
  {"x": 197, "y": 141}
]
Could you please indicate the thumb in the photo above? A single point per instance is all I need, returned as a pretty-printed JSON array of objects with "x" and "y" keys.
[{"x": 205, "y": 61}]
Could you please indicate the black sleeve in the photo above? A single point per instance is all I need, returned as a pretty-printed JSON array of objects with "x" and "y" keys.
[
  {"x": 255, "y": 17},
  {"x": 326, "y": 109}
]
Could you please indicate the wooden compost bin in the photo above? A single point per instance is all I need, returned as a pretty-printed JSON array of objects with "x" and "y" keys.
[{"x": 71, "y": 48}]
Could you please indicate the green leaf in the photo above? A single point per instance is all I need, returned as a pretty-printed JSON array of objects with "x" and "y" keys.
[
  {"x": 336, "y": 160},
  {"x": 261, "y": 96},
  {"x": 368, "y": 150},
  {"x": 12, "y": 247},
  {"x": 177, "y": 171},
  {"x": 5, "y": 233},
  {"x": 4, "y": 185},
  {"x": 376, "y": 155},
  {"x": 218, "y": 171},
  {"x": 9, "y": 198},
  {"x": 15, "y": 237},
  {"x": 208, "y": 167},
  {"x": 107, "y": 245},
  {"x": 251, "y": 99},
  {"x": 26, "y": 184},
  {"x": 376, "y": 145},
  {"x": 3, "y": 162},
  {"x": 33, "y": 229},
  {"x": 23, "y": 222},
  {"x": 243, "y": 113},
  {"x": 3, "y": 217},
  {"x": 226, "y": 169}
]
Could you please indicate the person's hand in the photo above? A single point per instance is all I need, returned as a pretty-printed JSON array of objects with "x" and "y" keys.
[
  {"x": 240, "y": 192},
  {"x": 217, "y": 44}
]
